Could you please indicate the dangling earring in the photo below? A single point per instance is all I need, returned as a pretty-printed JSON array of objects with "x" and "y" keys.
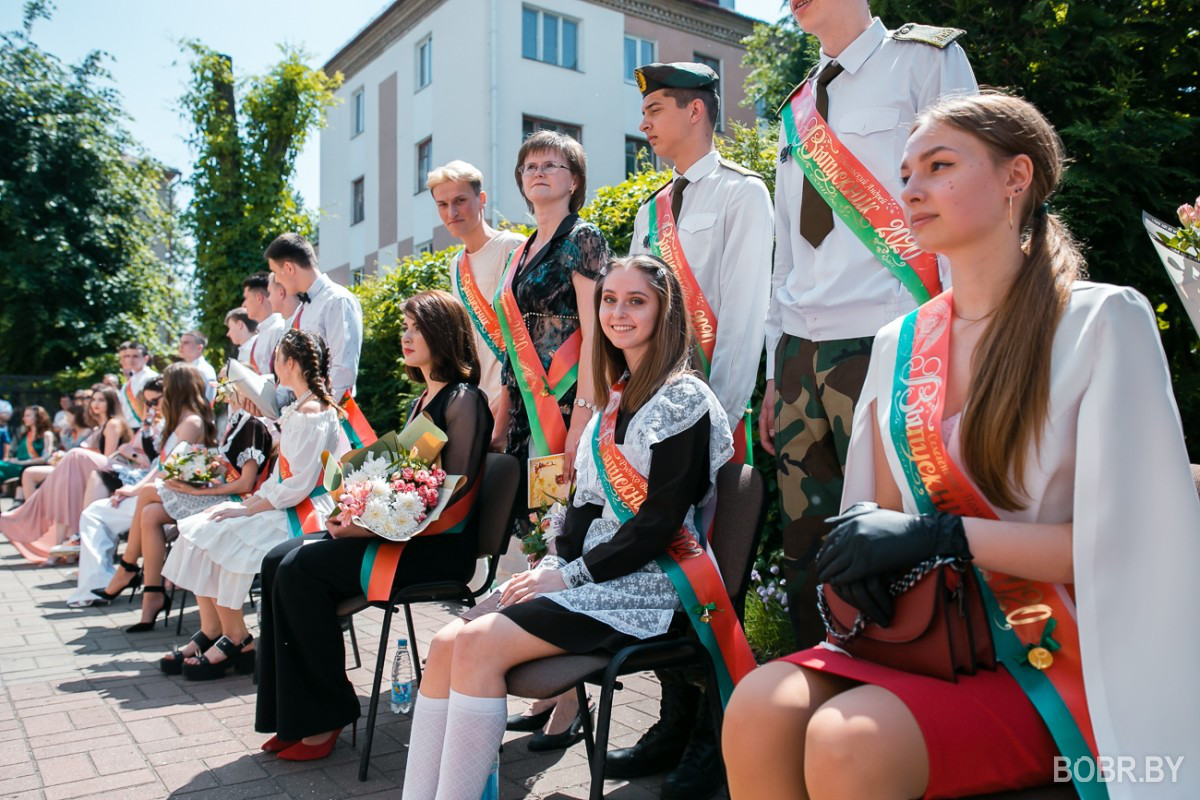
[{"x": 1010, "y": 221}]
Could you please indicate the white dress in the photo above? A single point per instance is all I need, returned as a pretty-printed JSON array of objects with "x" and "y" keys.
[
  {"x": 220, "y": 559},
  {"x": 1111, "y": 461}
]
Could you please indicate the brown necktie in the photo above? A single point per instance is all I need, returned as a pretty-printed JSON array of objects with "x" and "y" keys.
[
  {"x": 816, "y": 217},
  {"x": 677, "y": 197}
]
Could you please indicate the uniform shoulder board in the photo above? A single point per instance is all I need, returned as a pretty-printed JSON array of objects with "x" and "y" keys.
[
  {"x": 656, "y": 191},
  {"x": 792, "y": 92},
  {"x": 940, "y": 38},
  {"x": 736, "y": 167}
]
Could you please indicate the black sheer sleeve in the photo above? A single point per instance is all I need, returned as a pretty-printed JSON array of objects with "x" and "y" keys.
[
  {"x": 568, "y": 545},
  {"x": 589, "y": 252},
  {"x": 678, "y": 480},
  {"x": 468, "y": 429}
]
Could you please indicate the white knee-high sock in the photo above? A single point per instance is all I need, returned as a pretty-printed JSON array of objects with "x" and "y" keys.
[
  {"x": 474, "y": 731},
  {"x": 425, "y": 748}
]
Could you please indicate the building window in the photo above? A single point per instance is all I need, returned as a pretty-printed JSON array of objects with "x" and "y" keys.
[
  {"x": 715, "y": 65},
  {"x": 424, "y": 248},
  {"x": 358, "y": 112},
  {"x": 357, "y": 202},
  {"x": 356, "y": 276},
  {"x": 638, "y": 53},
  {"x": 549, "y": 37},
  {"x": 425, "y": 62},
  {"x": 424, "y": 162},
  {"x": 638, "y": 156},
  {"x": 531, "y": 125}
]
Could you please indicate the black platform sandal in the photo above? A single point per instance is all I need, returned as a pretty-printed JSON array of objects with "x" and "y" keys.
[
  {"x": 205, "y": 670},
  {"x": 133, "y": 584},
  {"x": 144, "y": 627},
  {"x": 173, "y": 664}
]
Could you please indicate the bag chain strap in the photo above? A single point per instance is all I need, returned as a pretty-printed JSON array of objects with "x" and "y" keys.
[{"x": 898, "y": 587}]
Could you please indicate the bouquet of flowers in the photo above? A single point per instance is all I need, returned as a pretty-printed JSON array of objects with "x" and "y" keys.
[
  {"x": 1186, "y": 238},
  {"x": 391, "y": 497},
  {"x": 547, "y": 522},
  {"x": 194, "y": 464},
  {"x": 1179, "y": 251}
]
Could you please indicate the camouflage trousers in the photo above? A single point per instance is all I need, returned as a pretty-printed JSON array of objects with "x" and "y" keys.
[{"x": 816, "y": 387}]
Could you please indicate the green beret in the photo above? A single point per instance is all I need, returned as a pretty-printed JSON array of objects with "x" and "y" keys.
[{"x": 680, "y": 75}]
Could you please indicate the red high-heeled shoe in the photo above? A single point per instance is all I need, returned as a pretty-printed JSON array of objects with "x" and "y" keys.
[
  {"x": 275, "y": 744},
  {"x": 310, "y": 752}
]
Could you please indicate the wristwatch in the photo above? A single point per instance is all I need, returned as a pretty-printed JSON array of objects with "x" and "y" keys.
[{"x": 579, "y": 401}]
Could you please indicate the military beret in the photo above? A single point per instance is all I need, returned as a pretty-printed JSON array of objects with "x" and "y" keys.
[{"x": 680, "y": 75}]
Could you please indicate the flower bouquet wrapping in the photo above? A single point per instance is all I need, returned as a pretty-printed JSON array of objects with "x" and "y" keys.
[
  {"x": 1179, "y": 251},
  {"x": 195, "y": 464},
  {"x": 394, "y": 488},
  {"x": 545, "y": 524}
]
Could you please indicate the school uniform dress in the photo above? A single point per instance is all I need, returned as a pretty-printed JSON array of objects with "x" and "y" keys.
[
  {"x": 303, "y": 689},
  {"x": 1111, "y": 460},
  {"x": 248, "y": 439}
]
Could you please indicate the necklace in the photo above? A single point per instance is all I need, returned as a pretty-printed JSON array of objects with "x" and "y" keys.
[
  {"x": 300, "y": 400},
  {"x": 972, "y": 321}
]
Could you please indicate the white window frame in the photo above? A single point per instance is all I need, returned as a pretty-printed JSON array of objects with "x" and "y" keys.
[
  {"x": 358, "y": 112},
  {"x": 423, "y": 174},
  {"x": 720, "y": 70},
  {"x": 549, "y": 125},
  {"x": 540, "y": 45},
  {"x": 641, "y": 142},
  {"x": 424, "y": 65},
  {"x": 357, "y": 275},
  {"x": 361, "y": 180},
  {"x": 639, "y": 55},
  {"x": 423, "y": 248}
]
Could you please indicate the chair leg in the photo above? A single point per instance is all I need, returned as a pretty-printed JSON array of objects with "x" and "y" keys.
[
  {"x": 373, "y": 710},
  {"x": 589, "y": 733},
  {"x": 600, "y": 748},
  {"x": 412, "y": 644},
  {"x": 182, "y": 606},
  {"x": 354, "y": 641}
]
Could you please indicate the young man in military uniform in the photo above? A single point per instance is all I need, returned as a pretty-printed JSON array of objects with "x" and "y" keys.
[
  {"x": 831, "y": 291},
  {"x": 713, "y": 225}
]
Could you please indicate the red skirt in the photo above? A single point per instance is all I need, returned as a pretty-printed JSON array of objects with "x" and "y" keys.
[{"x": 982, "y": 733}]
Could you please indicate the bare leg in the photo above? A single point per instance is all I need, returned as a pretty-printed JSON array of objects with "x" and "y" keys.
[
  {"x": 566, "y": 706},
  {"x": 435, "y": 680},
  {"x": 210, "y": 625},
  {"x": 149, "y": 520},
  {"x": 232, "y": 624},
  {"x": 763, "y": 737},
  {"x": 95, "y": 490},
  {"x": 32, "y": 477},
  {"x": 865, "y": 743}
]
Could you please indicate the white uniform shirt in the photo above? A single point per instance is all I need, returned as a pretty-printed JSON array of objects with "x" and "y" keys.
[
  {"x": 270, "y": 331},
  {"x": 136, "y": 382},
  {"x": 840, "y": 290},
  {"x": 246, "y": 348},
  {"x": 335, "y": 314},
  {"x": 209, "y": 374},
  {"x": 725, "y": 229},
  {"x": 487, "y": 264}
]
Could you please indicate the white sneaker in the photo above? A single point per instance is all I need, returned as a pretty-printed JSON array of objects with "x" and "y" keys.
[{"x": 67, "y": 548}]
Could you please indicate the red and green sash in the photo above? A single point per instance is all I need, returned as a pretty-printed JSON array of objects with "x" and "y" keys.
[
  {"x": 358, "y": 431},
  {"x": 540, "y": 389},
  {"x": 664, "y": 243},
  {"x": 856, "y": 196},
  {"x": 299, "y": 314},
  {"x": 692, "y": 572},
  {"x": 253, "y": 362},
  {"x": 303, "y": 517},
  {"x": 1033, "y": 623},
  {"x": 378, "y": 571},
  {"x": 482, "y": 314},
  {"x": 132, "y": 400}
]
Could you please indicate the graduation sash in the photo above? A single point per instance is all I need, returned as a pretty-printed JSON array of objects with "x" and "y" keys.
[
  {"x": 132, "y": 401},
  {"x": 378, "y": 572},
  {"x": 1033, "y": 623},
  {"x": 856, "y": 196},
  {"x": 358, "y": 431},
  {"x": 303, "y": 517},
  {"x": 691, "y": 570},
  {"x": 540, "y": 389},
  {"x": 299, "y": 314},
  {"x": 483, "y": 316},
  {"x": 665, "y": 244}
]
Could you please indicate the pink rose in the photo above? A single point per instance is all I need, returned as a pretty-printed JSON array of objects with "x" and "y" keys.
[
  {"x": 1189, "y": 215},
  {"x": 407, "y": 473}
]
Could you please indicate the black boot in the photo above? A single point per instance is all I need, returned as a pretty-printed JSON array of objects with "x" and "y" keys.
[
  {"x": 700, "y": 773},
  {"x": 662, "y": 746}
]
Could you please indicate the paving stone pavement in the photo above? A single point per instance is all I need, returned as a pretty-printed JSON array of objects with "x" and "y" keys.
[{"x": 85, "y": 712}]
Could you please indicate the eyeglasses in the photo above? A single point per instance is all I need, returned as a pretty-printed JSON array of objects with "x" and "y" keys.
[{"x": 549, "y": 168}]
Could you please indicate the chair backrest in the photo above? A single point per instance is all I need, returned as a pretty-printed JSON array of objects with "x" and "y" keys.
[
  {"x": 737, "y": 524},
  {"x": 497, "y": 499}
]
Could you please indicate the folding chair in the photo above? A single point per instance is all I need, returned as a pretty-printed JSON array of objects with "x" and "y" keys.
[
  {"x": 496, "y": 503},
  {"x": 736, "y": 529}
]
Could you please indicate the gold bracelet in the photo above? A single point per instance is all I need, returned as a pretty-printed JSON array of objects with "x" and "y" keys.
[{"x": 592, "y": 407}]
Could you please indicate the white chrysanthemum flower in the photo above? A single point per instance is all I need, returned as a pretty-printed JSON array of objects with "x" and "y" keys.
[{"x": 409, "y": 505}]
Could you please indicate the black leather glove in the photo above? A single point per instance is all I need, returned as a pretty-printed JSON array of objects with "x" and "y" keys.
[
  {"x": 871, "y": 541},
  {"x": 872, "y": 596}
]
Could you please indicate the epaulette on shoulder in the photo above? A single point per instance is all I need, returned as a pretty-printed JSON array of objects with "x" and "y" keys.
[
  {"x": 736, "y": 167},
  {"x": 792, "y": 92},
  {"x": 932, "y": 35}
]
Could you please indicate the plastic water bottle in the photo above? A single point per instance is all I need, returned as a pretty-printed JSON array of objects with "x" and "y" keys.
[
  {"x": 403, "y": 684},
  {"x": 491, "y": 789}
]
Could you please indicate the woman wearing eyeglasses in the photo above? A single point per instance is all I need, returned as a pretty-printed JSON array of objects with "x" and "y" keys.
[{"x": 547, "y": 314}]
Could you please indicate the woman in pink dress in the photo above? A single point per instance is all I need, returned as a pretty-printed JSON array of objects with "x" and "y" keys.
[{"x": 51, "y": 513}]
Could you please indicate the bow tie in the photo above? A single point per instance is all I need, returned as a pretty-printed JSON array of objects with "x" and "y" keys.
[{"x": 304, "y": 298}]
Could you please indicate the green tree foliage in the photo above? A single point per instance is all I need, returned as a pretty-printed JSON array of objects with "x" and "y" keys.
[
  {"x": 246, "y": 137},
  {"x": 79, "y": 214},
  {"x": 1120, "y": 81}
]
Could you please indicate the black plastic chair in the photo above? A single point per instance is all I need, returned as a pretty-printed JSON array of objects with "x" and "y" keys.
[
  {"x": 736, "y": 528},
  {"x": 496, "y": 505}
]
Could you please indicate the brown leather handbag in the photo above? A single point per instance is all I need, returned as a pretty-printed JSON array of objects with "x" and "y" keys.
[{"x": 939, "y": 627}]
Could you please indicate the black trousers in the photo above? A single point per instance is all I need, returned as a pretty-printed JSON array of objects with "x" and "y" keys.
[{"x": 302, "y": 685}]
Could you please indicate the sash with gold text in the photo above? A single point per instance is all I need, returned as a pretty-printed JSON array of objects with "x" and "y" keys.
[
  {"x": 358, "y": 431},
  {"x": 857, "y": 197},
  {"x": 1034, "y": 625},
  {"x": 483, "y": 316},
  {"x": 134, "y": 402},
  {"x": 691, "y": 570}
]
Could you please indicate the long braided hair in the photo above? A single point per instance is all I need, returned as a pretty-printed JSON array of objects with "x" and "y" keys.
[{"x": 310, "y": 352}]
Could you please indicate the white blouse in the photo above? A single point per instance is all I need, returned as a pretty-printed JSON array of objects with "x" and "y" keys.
[{"x": 303, "y": 438}]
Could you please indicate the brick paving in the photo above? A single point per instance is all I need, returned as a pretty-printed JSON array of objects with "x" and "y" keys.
[{"x": 85, "y": 712}]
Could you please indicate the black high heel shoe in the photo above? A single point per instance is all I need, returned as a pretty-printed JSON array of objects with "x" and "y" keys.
[
  {"x": 133, "y": 584},
  {"x": 528, "y": 722},
  {"x": 236, "y": 656},
  {"x": 173, "y": 664},
  {"x": 542, "y": 742},
  {"x": 143, "y": 627}
]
